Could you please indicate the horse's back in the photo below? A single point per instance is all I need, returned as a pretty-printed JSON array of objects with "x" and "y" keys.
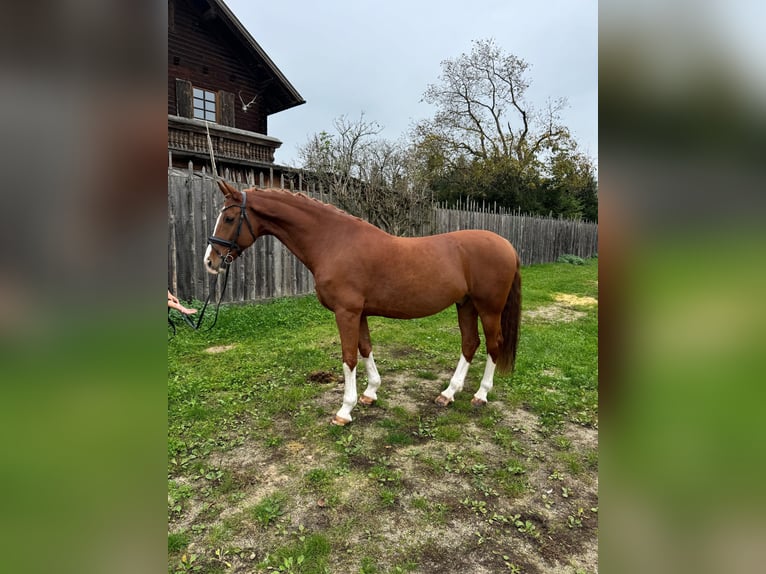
[
  {"x": 483, "y": 251},
  {"x": 483, "y": 240}
]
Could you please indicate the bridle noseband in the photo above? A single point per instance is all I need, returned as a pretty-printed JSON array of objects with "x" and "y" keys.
[{"x": 227, "y": 258}]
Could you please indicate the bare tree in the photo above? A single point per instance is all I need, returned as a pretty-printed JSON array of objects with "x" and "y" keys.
[
  {"x": 334, "y": 160},
  {"x": 367, "y": 176},
  {"x": 482, "y": 112}
]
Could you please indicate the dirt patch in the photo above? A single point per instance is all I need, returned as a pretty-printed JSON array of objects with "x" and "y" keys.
[
  {"x": 220, "y": 349},
  {"x": 398, "y": 352},
  {"x": 574, "y": 300},
  {"x": 566, "y": 309},
  {"x": 554, "y": 314},
  {"x": 411, "y": 393},
  {"x": 323, "y": 377},
  {"x": 583, "y": 438}
]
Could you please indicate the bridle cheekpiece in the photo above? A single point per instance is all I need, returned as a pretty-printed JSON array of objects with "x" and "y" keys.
[{"x": 227, "y": 258}]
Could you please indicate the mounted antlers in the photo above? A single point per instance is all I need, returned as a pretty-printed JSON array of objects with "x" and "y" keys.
[{"x": 248, "y": 104}]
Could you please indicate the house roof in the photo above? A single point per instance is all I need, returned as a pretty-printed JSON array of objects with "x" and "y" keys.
[{"x": 282, "y": 94}]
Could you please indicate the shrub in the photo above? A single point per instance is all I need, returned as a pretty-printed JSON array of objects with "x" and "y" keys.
[{"x": 569, "y": 258}]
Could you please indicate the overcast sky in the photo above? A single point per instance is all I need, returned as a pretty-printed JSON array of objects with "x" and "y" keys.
[{"x": 346, "y": 57}]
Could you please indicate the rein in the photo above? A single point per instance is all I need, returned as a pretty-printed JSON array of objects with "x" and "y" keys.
[{"x": 211, "y": 291}]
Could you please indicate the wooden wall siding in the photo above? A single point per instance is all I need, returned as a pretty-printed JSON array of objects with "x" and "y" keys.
[
  {"x": 268, "y": 270},
  {"x": 207, "y": 55}
]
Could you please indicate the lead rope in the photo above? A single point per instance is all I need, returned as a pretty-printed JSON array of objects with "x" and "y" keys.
[
  {"x": 213, "y": 285},
  {"x": 211, "y": 290}
]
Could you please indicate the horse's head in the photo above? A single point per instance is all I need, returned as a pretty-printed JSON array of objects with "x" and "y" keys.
[{"x": 233, "y": 233}]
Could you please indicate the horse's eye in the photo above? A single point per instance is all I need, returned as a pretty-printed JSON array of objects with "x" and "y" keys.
[{"x": 228, "y": 219}]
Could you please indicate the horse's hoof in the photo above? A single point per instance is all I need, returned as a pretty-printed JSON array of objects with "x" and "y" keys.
[
  {"x": 339, "y": 421},
  {"x": 443, "y": 401},
  {"x": 478, "y": 402},
  {"x": 366, "y": 401}
]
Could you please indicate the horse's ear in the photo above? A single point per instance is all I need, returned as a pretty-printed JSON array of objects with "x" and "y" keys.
[{"x": 225, "y": 188}]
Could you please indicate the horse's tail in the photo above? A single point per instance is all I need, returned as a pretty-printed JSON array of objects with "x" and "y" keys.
[{"x": 510, "y": 322}]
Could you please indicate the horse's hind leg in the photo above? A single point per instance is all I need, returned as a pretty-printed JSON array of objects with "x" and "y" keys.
[
  {"x": 467, "y": 317},
  {"x": 370, "y": 394},
  {"x": 494, "y": 339}
]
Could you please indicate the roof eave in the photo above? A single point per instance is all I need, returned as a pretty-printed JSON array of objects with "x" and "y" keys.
[{"x": 231, "y": 19}]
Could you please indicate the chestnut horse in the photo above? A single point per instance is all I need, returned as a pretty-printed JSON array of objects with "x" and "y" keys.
[{"x": 360, "y": 270}]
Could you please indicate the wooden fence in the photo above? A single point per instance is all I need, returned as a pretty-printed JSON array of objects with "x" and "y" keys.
[
  {"x": 536, "y": 239},
  {"x": 268, "y": 270}
]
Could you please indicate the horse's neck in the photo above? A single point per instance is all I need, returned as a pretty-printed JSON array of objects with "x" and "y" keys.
[{"x": 306, "y": 227}]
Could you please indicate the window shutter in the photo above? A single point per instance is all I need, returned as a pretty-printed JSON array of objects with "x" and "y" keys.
[
  {"x": 184, "y": 106},
  {"x": 226, "y": 108}
]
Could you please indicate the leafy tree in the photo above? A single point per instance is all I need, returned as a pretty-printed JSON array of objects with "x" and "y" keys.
[
  {"x": 487, "y": 142},
  {"x": 572, "y": 187}
]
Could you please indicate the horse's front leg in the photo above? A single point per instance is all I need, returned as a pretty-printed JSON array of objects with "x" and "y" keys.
[{"x": 348, "y": 327}]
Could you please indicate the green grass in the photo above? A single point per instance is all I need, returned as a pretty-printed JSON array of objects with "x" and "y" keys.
[
  {"x": 251, "y": 455},
  {"x": 306, "y": 556},
  {"x": 268, "y": 510},
  {"x": 177, "y": 541}
]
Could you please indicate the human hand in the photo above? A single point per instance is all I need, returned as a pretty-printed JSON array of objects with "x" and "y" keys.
[{"x": 173, "y": 303}]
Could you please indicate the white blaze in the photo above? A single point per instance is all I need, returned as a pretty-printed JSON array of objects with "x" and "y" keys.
[{"x": 209, "y": 250}]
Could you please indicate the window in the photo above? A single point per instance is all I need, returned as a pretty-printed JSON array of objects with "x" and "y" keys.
[{"x": 204, "y": 104}]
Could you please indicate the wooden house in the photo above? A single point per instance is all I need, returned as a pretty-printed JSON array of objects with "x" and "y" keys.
[{"x": 217, "y": 73}]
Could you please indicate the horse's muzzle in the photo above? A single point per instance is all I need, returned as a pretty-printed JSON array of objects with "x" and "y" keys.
[{"x": 210, "y": 268}]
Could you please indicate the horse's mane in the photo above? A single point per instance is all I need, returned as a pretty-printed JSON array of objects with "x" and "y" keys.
[{"x": 304, "y": 197}]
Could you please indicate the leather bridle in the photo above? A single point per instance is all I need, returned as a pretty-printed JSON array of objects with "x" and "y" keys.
[{"x": 227, "y": 258}]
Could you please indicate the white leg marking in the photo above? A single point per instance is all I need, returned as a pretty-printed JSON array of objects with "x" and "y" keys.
[
  {"x": 373, "y": 378},
  {"x": 349, "y": 393},
  {"x": 209, "y": 250},
  {"x": 458, "y": 379},
  {"x": 486, "y": 380}
]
